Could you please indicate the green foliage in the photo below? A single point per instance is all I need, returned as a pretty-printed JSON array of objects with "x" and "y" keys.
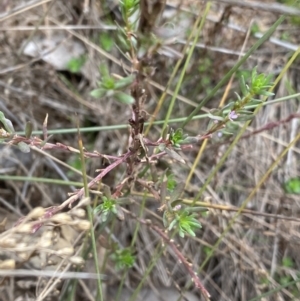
[
  {"x": 184, "y": 222},
  {"x": 106, "y": 41},
  {"x": 6, "y": 123},
  {"x": 75, "y": 64},
  {"x": 260, "y": 83},
  {"x": 109, "y": 87},
  {"x": 28, "y": 129},
  {"x": 107, "y": 208},
  {"x": 123, "y": 259},
  {"x": 292, "y": 185},
  {"x": 176, "y": 137},
  {"x": 128, "y": 7},
  {"x": 110, "y": 206},
  {"x": 236, "y": 111},
  {"x": 178, "y": 216}
]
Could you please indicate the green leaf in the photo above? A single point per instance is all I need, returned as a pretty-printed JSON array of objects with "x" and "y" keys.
[
  {"x": 292, "y": 185},
  {"x": 253, "y": 75},
  {"x": 229, "y": 106},
  {"x": 108, "y": 83},
  {"x": 266, "y": 93},
  {"x": 98, "y": 93},
  {"x": 246, "y": 112},
  {"x": 28, "y": 129},
  {"x": 172, "y": 224},
  {"x": 181, "y": 233},
  {"x": 243, "y": 86},
  {"x": 75, "y": 64},
  {"x": 123, "y": 258},
  {"x": 124, "y": 82},
  {"x": 123, "y": 97},
  {"x": 244, "y": 117},
  {"x": 191, "y": 232},
  {"x": 215, "y": 117},
  {"x": 7, "y": 123},
  {"x": 254, "y": 102}
]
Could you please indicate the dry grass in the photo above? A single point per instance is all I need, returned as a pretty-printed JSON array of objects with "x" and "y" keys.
[{"x": 251, "y": 259}]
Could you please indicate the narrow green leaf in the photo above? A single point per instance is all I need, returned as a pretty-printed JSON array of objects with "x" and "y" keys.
[
  {"x": 124, "y": 98},
  {"x": 75, "y": 64},
  {"x": 124, "y": 82},
  {"x": 9, "y": 126},
  {"x": 244, "y": 117},
  {"x": 98, "y": 93},
  {"x": 28, "y": 129},
  {"x": 266, "y": 93},
  {"x": 214, "y": 117},
  {"x": 243, "y": 86}
]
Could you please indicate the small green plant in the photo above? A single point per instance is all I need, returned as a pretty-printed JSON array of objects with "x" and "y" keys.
[
  {"x": 123, "y": 259},
  {"x": 8, "y": 126},
  {"x": 108, "y": 207},
  {"x": 176, "y": 215},
  {"x": 184, "y": 221},
  {"x": 109, "y": 87},
  {"x": 236, "y": 111},
  {"x": 292, "y": 185},
  {"x": 75, "y": 64}
]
